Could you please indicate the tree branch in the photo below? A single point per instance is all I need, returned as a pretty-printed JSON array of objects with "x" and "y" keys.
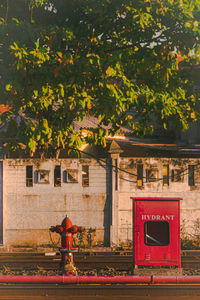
[
  {"x": 6, "y": 17},
  {"x": 131, "y": 45}
]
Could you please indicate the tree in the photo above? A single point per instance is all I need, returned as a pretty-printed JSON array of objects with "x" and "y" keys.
[{"x": 127, "y": 63}]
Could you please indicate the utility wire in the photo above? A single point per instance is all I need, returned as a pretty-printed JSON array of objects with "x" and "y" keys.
[{"x": 181, "y": 173}]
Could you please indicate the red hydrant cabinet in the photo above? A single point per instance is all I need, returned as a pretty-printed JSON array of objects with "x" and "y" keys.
[{"x": 156, "y": 231}]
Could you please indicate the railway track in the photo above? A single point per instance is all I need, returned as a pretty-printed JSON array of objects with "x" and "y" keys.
[
  {"x": 86, "y": 260},
  {"x": 89, "y": 260},
  {"x": 100, "y": 292}
]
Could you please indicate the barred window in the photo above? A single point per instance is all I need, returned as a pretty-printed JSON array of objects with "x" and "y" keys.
[
  {"x": 177, "y": 175},
  {"x": 29, "y": 176},
  {"x": 165, "y": 175},
  {"x": 43, "y": 176},
  {"x": 70, "y": 176},
  {"x": 85, "y": 176},
  {"x": 151, "y": 175},
  {"x": 139, "y": 175},
  {"x": 57, "y": 176},
  {"x": 191, "y": 175}
]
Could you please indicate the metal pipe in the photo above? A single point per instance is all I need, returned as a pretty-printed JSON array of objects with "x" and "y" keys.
[
  {"x": 74, "y": 279},
  {"x": 114, "y": 279},
  {"x": 175, "y": 279},
  {"x": 164, "y": 279},
  {"x": 98, "y": 279},
  {"x": 33, "y": 279}
]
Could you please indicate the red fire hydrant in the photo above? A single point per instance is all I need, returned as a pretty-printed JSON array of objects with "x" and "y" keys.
[{"x": 66, "y": 230}]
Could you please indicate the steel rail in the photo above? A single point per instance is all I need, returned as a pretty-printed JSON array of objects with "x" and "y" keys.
[
  {"x": 124, "y": 262},
  {"x": 105, "y": 253},
  {"x": 89, "y": 252},
  {"x": 85, "y": 261},
  {"x": 100, "y": 291}
]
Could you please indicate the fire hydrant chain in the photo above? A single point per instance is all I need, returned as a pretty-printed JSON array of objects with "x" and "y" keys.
[{"x": 55, "y": 245}]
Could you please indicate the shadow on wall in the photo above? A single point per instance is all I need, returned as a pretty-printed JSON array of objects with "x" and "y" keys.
[{"x": 85, "y": 239}]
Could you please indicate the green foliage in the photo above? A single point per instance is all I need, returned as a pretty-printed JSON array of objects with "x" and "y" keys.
[{"x": 119, "y": 61}]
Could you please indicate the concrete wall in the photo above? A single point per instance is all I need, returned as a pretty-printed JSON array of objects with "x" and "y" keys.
[
  {"x": 30, "y": 211},
  {"x": 190, "y": 205}
]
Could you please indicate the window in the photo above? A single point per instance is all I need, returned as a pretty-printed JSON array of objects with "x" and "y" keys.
[
  {"x": 139, "y": 175},
  {"x": 177, "y": 175},
  {"x": 191, "y": 175},
  {"x": 57, "y": 176},
  {"x": 70, "y": 176},
  {"x": 29, "y": 176},
  {"x": 166, "y": 175},
  {"x": 151, "y": 175},
  {"x": 85, "y": 176},
  {"x": 156, "y": 233},
  {"x": 43, "y": 176}
]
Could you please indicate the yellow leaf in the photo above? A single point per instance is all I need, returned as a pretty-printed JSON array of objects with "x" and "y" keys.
[
  {"x": 93, "y": 39},
  {"x": 196, "y": 24},
  {"x": 110, "y": 71},
  {"x": 60, "y": 54},
  {"x": 69, "y": 61}
]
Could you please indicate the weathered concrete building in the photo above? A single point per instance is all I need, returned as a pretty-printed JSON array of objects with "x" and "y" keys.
[
  {"x": 94, "y": 193},
  {"x": 39, "y": 194}
]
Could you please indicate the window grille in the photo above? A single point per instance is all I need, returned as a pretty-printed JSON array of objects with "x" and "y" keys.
[
  {"x": 70, "y": 176},
  {"x": 139, "y": 175},
  {"x": 151, "y": 175},
  {"x": 177, "y": 175},
  {"x": 85, "y": 176},
  {"x": 57, "y": 176},
  {"x": 29, "y": 176},
  {"x": 191, "y": 175},
  {"x": 43, "y": 176},
  {"x": 166, "y": 175}
]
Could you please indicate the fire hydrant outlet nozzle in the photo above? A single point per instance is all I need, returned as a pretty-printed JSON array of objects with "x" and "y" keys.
[{"x": 57, "y": 229}]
